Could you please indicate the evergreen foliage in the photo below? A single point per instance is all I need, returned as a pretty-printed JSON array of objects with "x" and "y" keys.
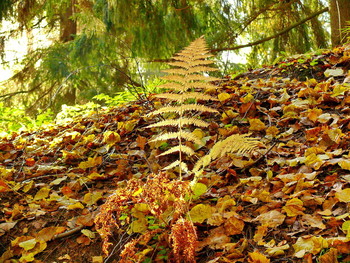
[{"x": 101, "y": 46}]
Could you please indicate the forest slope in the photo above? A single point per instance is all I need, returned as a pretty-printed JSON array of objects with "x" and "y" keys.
[{"x": 287, "y": 202}]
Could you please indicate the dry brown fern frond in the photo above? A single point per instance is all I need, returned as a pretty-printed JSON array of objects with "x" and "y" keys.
[
  {"x": 187, "y": 83},
  {"x": 239, "y": 143}
]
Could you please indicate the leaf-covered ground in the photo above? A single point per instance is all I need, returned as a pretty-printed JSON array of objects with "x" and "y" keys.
[{"x": 288, "y": 202}]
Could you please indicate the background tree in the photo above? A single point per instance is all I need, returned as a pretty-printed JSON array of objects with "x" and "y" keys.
[
  {"x": 100, "y": 46},
  {"x": 340, "y": 16}
]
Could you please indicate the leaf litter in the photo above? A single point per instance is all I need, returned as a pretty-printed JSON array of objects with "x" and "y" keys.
[{"x": 289, "y": 202}]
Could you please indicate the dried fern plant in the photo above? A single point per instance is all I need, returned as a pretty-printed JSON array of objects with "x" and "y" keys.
[{"x": 186, "y": 85}]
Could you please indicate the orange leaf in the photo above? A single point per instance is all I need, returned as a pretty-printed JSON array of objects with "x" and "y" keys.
[
  {"x": 67, "y": 191},
  {"x": 233, "y": 226},
  {"x": 47, "y": 233},
  {"x": 329, "y": 257},
  {"x": 257, "y": 257},
  {"x": 30, "y": 162},
  {"x": 3, "y": 186},
  {"x": 260, "y": 233},
  {"x": 141, "y": 142}
]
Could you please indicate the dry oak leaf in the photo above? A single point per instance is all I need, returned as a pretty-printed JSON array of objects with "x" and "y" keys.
[{"x": 272, "y": 218}]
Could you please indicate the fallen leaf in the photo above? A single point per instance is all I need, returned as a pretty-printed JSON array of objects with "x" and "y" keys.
[
  {"x": 200, "y": 212},
  {"x": 224, "y": 96},
  {"x": 257, "y": 257},
  {"x": 329, "y": 257},
  {"x": 343, "y": 195},
  {"x": 91, "y": 162},
  {"x": 277, "y": 250},
  {"x": 28, "y": 244},
  {"x": 310, "y": 244},
  {"x": 256, "y": 125},
  {"x": 92, "y": 198},
  {"x": 272, "y": 218},
  {"x": 233, "y": 226},
  {"x": 42, "y": 193},
  {"x": 88, "y": 233},
  {"x": 294, "y": 207}
]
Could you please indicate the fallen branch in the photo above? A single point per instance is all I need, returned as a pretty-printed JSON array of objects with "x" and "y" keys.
[{"x": 68, "y": 233}]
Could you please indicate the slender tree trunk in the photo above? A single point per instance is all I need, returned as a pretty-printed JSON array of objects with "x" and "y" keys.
[
  {"x": 68, "y": 30},
  {"x": 68, "y": 27},
  {"x": 340, "y": 14}
]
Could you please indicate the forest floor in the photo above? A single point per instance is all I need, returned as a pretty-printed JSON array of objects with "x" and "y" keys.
[{"x": 287, "y": 202}]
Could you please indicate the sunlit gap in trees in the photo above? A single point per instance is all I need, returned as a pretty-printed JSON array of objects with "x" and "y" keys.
[{"x": 20, "y": 44}]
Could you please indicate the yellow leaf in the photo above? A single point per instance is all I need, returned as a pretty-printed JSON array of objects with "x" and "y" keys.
[
  {"x": 272, "y": 130},
  {"x": 346, "y": 228},
  {"x": 28, "y": 186},
  {"x": 198, "y": 133},
  {"x": 294, "y": 207},
  {"x": 42, "y": 193},
  {"x": 138, "y": 226},
  {"x": 198, "y": 189},
  {"x": 345, "y": 164},
  {"x": 256, "y": 125},
  {"x": 310, "y": 244},
  {"x": 76, "y": 205},
  {"x": 28, "y": 244},
  {"x": 272, "y": 218},
  {"x": 313, "y": 161},
  {"x": 92, "y": 198},
  {"x": 27, "y": 257},
  {"x": 229, "y": 114},
  {"x": 256, "y": 257},
  {"x": 91, "y": 162},
  {"x": 343, "y": 195},
  {"x": 200, "y": 212},
  {"x": 313, "y": 114},
  {"x": 96, "y": 176},
  {"x": 335, "y": 135},
  {"x": 111, "y": 137},
  {"x": 224, "y": 96},
  {"x": 88, "y": 233},
  {"x": 248, "y": 98},
  {"x": 276, "y": 251},
  {"x": 137, "y": 192},
  {"x": 97, "y": 259}
]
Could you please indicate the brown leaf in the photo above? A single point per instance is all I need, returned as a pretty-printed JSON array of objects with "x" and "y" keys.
[{"x": 329, "y": 257}]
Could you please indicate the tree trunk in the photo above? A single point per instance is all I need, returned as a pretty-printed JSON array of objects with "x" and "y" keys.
[
  {"x": 68, "y": 30},
  {"x": 68, "y": 27},
  {"x": 340, "y": 14}
]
